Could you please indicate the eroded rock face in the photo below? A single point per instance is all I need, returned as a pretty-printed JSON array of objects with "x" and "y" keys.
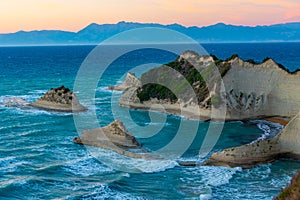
[
  {"x": 255, "y": 90},
  {"x": 59, "y": 99},
  {"x": 285, "y": 144}
]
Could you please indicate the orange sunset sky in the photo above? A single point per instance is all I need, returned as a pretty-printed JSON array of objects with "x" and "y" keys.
[{"x": 73, "y": 15}]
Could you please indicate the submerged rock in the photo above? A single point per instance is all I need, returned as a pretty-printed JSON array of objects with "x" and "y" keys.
[
  {"x": 285, "y": 145},
  {"x": 59, "y": 99}
]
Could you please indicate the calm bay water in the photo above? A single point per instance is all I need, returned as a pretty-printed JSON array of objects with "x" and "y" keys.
[{"x": 38, "y": 159}]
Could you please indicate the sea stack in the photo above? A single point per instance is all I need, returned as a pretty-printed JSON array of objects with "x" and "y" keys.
[
  {"x": 130, "y": 81},
  {"x": 113, "y": 137},
  {"x": 59, "y": 99}
]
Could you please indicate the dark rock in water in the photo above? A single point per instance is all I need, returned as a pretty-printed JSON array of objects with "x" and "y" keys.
[
  {"x": 59, "y": 99},
  {"x": 189, "y": 163}
]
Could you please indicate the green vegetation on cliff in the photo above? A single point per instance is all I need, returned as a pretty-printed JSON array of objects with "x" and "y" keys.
[{"x": 194, "y": 75}]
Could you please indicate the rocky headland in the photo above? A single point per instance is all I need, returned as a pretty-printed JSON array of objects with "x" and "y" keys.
[
  {"x": 252, "y": 91},
  {"x": 59, "y": 99}
]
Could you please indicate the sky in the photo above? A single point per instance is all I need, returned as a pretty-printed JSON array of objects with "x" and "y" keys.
[{"x": 73, "y": 15}]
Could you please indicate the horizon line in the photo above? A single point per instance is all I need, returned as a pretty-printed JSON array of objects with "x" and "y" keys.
[
  {"x": 150, "y": 23},
  {"x": 94, "y": 44}
]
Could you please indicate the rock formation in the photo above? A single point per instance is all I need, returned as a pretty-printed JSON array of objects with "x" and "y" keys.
[
  {"x": 130, "y": 81},
  {"x": 59, "y": 99},
  {"x": 113, "y": 137},
  {"x": 285, "y": 145},
  {"x": 251, "y": 90}
]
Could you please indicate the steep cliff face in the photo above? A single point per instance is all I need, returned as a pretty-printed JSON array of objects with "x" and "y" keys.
[
  {"x": 59, "y": 99},
  {"x": 254, "y": 90}
]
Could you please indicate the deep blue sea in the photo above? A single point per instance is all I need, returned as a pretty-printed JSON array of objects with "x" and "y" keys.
[{"x": 38, "y": 159}]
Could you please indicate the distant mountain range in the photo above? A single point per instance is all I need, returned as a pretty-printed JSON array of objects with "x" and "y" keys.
[{"x": 95, "y": 33}]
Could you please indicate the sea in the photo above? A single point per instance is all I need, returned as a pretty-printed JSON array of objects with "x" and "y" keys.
[{"x": 38, "y": 159}]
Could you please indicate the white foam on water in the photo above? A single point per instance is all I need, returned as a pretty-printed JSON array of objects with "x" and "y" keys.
[
  {"x": 133, "y": 165},
  {"x": 20, "y": 125},
  {"x": 40, "y": 147},
  {"x": 87, "y": 167},
  {"x": 106, "y": 90},
  {"x": 104, "y": 192},
  {"x": 270, "y": 129},
  {"x": 156, "y": 123},
  {"x": 32, "y": 132},
  {"x": 260, "y": 172},
  {"x": 25, "y": 108},
  {"x": 40, "y": 92},
  {"x": 106, "y": 99},
  {"x": 200, "y": 180}
]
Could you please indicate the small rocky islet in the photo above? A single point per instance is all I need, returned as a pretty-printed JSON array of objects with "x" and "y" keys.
[{"x": 59, "y": 99}]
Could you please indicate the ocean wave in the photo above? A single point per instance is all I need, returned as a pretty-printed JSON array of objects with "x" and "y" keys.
[
  {"x": 10, "y": 164},
  {"x": 41, "y": 92},
  {"x": 105, "y": 192},
  {"x": 132, "y": 165},
  {"x": 22, "y": 125},
  {"x": 106, "y": 90},
  {"x": 87, "y": 167},
  {"x": 270, "y": 129},
  {"x": 200, "y": 181}
]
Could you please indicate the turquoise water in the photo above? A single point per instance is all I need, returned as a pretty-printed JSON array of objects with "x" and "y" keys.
[{"x": 38, "y": 159}]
